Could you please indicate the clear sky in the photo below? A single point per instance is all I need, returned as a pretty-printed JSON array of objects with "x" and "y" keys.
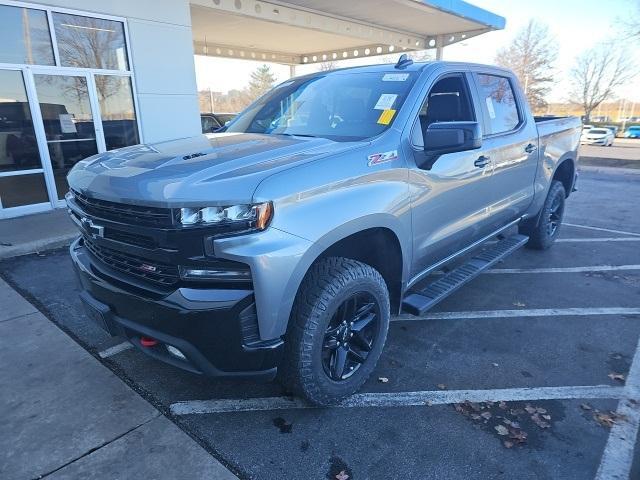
[{"x": 576, "y": 24}]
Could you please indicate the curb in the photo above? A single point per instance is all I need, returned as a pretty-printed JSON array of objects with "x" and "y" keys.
[{"x": 37, "y": 246}]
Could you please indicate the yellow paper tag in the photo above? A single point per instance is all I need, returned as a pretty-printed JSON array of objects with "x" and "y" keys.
[{"x": 386, "y": 116}]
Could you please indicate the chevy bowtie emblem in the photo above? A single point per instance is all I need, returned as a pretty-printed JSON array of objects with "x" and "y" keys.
[{"x": 91, "y": 228}]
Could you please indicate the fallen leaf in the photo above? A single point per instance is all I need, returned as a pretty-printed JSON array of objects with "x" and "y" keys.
[
  {"x": 616, "y": 376},
  {"x": 383, "y": 379},
  {"x": 585, "y": 406},
  {"x": 530, "y": 410},
  {"x": 608, "y": 419},
  {"x": 538, "y": 421},
  {"x": 495, "y": 364},
  {"x": 518, "y": 435},
  {"x": 342, "y": 475},
  {"x": 519, "y": 304},
  {"x": 441, "y": 386},
  {"x": 486, "y": 415},
  {"x": 502, "y": 430},
  {"x": 475, "y": 416},
  {"x": 546, "y": 417},
  {"x": 507, "y": 444},
  {"x": 541, "y": 410},
  {"x": 502, "y": 405},
  {"x": 428, "y": 403}
]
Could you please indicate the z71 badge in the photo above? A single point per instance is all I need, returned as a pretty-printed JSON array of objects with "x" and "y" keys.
[{"x": 378, "y": 158}]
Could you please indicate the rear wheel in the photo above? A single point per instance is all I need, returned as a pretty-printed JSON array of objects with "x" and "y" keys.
[
  {"x": 542, "y": 235},
  {"x": 337, "y": 330}
]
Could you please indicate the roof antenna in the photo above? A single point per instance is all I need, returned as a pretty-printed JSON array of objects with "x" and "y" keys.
[{"x": 403, "y": 62}]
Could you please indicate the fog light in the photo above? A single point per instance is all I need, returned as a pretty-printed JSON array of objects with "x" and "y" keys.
[{"x": 175, "y": 352}]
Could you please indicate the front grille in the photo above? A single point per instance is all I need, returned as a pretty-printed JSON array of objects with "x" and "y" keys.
[
  {"x": 149, "y": 270},
  {"x": 121, "y": 212}
]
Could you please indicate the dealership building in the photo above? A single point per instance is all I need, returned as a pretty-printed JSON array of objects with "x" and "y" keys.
[{"x": 82, "y": 77}]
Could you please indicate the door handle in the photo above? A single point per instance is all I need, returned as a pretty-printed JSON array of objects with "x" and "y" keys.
[
  {"x": 530, "y": 148},
  {"x": 482, "y": 161}
]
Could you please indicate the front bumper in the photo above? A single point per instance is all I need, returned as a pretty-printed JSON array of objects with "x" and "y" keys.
[
  {"x": 600, "y": 141},
  {"x": 207, "y": 325}
]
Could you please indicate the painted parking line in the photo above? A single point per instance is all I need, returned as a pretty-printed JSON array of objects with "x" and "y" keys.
[
  {"x": 109, "y": 352},
  {"x": 600, "y": 229},
  {"x": 535, "y": 312},
  {"x": 595, "y": 240},
  {"x": 593, "y": 268},
  {"x": 617, "y": 459},
  {"x": 402, "y": 399}
]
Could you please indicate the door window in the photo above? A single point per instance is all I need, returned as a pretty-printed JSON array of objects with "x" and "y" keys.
[
  {"x": 499, "y": 102},
  {"x": 447, "y": 101},
  {"x": 68, "y": 123},
  {"x": 18, "y": 146}
]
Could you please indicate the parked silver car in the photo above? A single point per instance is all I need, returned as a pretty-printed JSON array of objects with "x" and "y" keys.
[{"x": 284, "y": 245}]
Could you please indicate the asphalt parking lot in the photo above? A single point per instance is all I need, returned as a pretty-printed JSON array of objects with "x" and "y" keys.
[{"x": 544, "y": 346}]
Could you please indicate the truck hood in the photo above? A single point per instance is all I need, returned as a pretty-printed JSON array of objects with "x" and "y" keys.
[{"x": 212, "y": 169}]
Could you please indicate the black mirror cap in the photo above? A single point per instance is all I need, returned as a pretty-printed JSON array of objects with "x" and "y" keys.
[{"x": 449, "y": 137}]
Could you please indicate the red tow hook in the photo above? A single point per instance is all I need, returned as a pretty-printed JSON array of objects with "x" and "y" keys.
[{"x": 148, "y": 342}]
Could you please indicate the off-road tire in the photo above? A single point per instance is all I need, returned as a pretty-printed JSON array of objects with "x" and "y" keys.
[
  {"x": 540, "y": 235},
  {"x": 326, "y": 286}
]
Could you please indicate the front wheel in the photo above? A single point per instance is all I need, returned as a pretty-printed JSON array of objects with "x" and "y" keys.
[
  {"x": 337, "y": 331},
  {"x": 542, "y": 235}
]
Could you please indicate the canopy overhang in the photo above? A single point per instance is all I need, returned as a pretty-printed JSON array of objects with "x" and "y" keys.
[{"x": 296, "y": 32}]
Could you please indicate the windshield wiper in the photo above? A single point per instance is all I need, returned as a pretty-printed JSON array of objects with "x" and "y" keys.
[{"x": 308, "y": 135}]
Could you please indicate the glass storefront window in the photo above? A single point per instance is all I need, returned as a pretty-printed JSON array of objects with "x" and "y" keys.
[
  {"x": 90, "y": 42},
  {"x": 117, "y": 111},
  {"x": 24, "y": 36},
  {"x": 18, "y": 145}
]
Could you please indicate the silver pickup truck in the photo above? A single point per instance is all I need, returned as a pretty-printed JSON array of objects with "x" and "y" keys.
[{"x": 283, "y": 245}]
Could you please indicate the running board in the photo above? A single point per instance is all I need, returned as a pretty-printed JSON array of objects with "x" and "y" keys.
[{"x": 418, "y": 302}]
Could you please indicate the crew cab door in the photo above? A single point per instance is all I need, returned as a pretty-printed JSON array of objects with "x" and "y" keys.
[
  {"x": 451, "y": 192},
  {"x": 510, "y": 141}
]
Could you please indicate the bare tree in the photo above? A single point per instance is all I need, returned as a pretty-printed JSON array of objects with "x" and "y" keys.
[
  {"x": 328, "y": 66},
  {"x": 531, "y": 56},
  {"x": 632, "y": 23},
  {"x": 596, "y": 75}
]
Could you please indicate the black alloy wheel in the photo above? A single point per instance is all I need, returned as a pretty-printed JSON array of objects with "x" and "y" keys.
[{"x": 350, "y": 336}]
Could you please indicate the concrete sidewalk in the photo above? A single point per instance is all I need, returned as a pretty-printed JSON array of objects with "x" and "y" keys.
[
  {"x": 35, "y": 233},
  {"x": 64, "y": 415}
]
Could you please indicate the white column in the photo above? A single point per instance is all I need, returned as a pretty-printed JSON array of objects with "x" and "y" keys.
[
  {"x": 292, "y": 71},
  {"x": 439, "y": 47}
]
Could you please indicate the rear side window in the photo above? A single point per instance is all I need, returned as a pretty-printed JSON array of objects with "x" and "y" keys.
[{"x": 499, "y": 101}]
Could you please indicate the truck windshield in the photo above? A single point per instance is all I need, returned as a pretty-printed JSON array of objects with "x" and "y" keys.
[{"x": 338, "y": 106}]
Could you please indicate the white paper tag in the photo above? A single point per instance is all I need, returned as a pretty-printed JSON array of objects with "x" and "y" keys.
[
  {"x": 395, "y": 77},
  {"x": 66, "y": 123},
  {"x": 492, "y": 112},
  {"x": 385, "y": 102}
]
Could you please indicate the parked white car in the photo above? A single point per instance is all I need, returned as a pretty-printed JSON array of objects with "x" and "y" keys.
[{"x": 597, "y": 136}]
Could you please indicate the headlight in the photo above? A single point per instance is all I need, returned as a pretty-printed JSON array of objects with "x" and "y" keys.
[{"x": 249, "y": 217}]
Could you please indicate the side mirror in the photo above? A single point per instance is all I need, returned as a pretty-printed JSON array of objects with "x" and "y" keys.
[{"x": 448, "y": 137}]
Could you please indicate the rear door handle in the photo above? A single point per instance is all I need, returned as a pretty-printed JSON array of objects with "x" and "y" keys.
[
  {"x": 530, "y": 148},
  {"x": 482, "y": 161}
]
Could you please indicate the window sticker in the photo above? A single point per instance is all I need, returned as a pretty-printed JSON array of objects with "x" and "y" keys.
[
  {"x": 66, "y": 123},
  {"x": 395, "y": 77},
  {"x": 386, "y": 101},
  {"x": 386, "y": 116},
  {"x": 492, "y": 112}
]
